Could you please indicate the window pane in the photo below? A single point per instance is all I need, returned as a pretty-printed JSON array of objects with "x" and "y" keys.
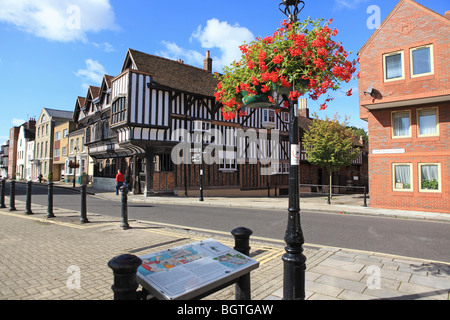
[
  {"x": 394, "y": 66},
  {"x": 401, "y": 124},
  {"x": 402, "y": 177},
  {"x": 428, "y": 122},
  {"x": 430, "y": 177},
  {"x": 421, "y": 61}
]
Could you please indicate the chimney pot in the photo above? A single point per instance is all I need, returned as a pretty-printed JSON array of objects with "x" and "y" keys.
[
  {"x": 207, "y": 63},
  {"x": 447, "y": 15}
]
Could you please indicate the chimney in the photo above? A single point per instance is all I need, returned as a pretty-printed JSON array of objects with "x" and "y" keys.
[
  {"x": 447, "y": 15},
  {"x": 31, "y": 124},
  {"x": 303, "y": 110},
  {"x": 207, "y": 63}
]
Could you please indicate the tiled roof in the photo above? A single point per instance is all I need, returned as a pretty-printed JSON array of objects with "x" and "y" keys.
[
  {"x": 59, "y": 113},
  {"x": 174, "y": 74}
]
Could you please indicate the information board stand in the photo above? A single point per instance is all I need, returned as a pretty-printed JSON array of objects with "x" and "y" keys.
[{"x": 193, "y": 270}]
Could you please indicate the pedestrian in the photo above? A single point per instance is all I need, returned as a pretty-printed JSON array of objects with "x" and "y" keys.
[
  {"x": 119, "y": 181},
  {"x": 40, "y": 177}
]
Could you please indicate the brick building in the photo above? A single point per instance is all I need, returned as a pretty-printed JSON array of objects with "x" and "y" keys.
[{"x": 405, "y": 97}]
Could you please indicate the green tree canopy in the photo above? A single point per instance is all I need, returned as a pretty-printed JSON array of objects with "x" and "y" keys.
[{"x": 329, "y": 144}]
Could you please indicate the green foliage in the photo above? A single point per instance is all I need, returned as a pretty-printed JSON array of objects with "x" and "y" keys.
[
  {"x": 430, "y": 184},
  {"x": 328, "y": 144},
  {"x": 358, "y": 132}
]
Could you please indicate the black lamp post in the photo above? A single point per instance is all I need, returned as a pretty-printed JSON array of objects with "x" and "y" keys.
[{"x": 294, "y": 260}]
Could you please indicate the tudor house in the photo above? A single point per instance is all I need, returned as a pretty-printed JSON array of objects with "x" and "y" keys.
[
  {"x": 92, "y": 114},
  {"x": 405, "y": 97},
  {"x": 133, "y": 122}
]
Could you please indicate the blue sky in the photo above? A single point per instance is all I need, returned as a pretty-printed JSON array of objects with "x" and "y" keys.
[{"x": 53, "y": 49}]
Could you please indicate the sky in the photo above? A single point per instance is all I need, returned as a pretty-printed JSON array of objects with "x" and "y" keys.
[{"x": 52, "y": 50}]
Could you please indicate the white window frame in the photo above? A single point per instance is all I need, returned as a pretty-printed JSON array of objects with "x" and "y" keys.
[
  {"x": 431, "y": 61},
  {"x": 439, "y": 190},
  {"x": 227, "y": 161},
  {"x": 202, "y": 126},
  {"x": 437, "y": 122},
  {"x": 393, "y": 123},
  {"x": 394, "y": 184},
  {"x": 401, "y": 52}
]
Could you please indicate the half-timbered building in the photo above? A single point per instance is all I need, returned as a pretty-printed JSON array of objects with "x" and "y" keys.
[{"x": 157, "y": 103}]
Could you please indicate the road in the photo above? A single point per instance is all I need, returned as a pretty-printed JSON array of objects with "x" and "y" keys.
[{"x": 409, "y": 238}]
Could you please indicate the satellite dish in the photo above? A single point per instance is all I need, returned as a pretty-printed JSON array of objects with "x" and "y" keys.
[
  {"x": 369, "y": 90},
  {"x": 374, "y": 93}
]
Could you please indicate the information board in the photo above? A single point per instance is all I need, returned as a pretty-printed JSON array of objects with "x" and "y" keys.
[{"x": 188, "y": 271}]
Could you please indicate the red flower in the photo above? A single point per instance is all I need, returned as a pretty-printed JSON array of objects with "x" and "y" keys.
[
  {"x": 264, "y": 88},
  {"x": 255, "y": 81},
  {"x": 262, "y": 55},
  {"x": 349, "y": 92},
  {"x": 278, "y": 59},
  {"x": 293, "y": 95}
]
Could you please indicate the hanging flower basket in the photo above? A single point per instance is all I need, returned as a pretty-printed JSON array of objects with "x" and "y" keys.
[
  {"x": 74, "y": 165},
  {"x": 258, "y": 100},
  {"x": 298, "y": 59}
]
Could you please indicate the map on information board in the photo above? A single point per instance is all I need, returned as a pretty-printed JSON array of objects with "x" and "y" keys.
[{"x": 191, "y": 269}]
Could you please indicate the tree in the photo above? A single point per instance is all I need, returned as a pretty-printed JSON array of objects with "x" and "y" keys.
[{"x": 329, "y": 144}]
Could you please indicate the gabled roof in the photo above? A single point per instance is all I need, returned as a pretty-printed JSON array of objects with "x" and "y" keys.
[
  {"x": 105, "y": 86},
  {"x": 79, "y": 104},
  {"x": 392, "y": 13},
  {"x": 94, "y": 92},
  {"x": 61, "y": 114},
  {"x": 172, "y": 74}
]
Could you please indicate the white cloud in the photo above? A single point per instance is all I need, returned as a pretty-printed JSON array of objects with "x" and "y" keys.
[
  {"x": 348, "y": 4},
  {"x": 17, "y": 122},
  {"x": 93, "y": 74},
  {"x": 107, "y": 47},
  {"x": 216, "y": 34},
  {"x": 174, "y": 52},
  {"x": 62, "y": 20}
]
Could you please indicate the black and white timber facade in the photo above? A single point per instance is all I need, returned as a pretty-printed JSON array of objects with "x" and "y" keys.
[{"x": 133, "y": 122}]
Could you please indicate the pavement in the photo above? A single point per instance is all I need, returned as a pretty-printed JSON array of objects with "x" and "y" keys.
[{"x": 62, "y": 259}]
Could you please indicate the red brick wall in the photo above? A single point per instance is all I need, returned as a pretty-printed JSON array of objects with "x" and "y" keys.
[
  {"x": 408, "y": 26},
  {"x": 417, "y": 150}
]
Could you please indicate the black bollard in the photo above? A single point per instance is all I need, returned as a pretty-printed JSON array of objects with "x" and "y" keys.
[
  {"x": 125, "y": 284},
  {"x": 28, "y": 202},
  {"x": 124, "y": 191},
  {"x": 50, "y": 201},
  {"x": 2, "y": 194},
  {"x": 242, "y": 244},
  {"x": 12, "y": 195},
  {"x": 84, "y": 218}
]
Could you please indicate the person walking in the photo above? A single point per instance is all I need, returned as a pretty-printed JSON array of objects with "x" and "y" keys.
[{"x": 119, "y": 181}]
